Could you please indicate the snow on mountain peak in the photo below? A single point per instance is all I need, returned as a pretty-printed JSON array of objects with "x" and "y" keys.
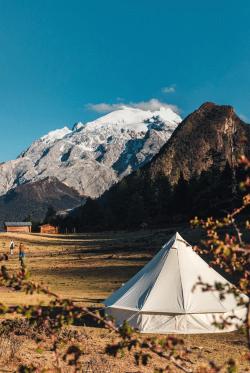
[
  {"x": 92, "y": 157},
  {"x": 132, "y": 118},
  {"x": 56, "y": 134}
]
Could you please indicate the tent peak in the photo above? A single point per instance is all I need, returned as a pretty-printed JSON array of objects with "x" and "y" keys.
[
  {"x": 173, "y": 242},
  {"x": 178, "y": 237}
]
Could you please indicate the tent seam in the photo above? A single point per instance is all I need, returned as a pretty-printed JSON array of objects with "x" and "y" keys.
[{"x": 182, "y": 292}]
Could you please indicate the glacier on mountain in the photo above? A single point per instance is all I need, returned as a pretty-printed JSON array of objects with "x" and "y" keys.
[{"x": 91, "y": 157}]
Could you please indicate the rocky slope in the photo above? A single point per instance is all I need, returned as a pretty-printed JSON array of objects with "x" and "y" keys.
[
  {"x": 208, "y": 138},
  {"x": 32, "y": 200},
  {"x": 91, "y": 157}
]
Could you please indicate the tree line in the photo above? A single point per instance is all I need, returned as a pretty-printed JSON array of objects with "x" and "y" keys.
[{"x": 139, "y": 201}]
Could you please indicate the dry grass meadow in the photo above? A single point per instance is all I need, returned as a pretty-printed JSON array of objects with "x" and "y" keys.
[{"x": 87, "y": 268}]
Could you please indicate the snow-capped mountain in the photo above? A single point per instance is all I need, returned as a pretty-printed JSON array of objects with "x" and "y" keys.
[{"x": 91, "y": 157}]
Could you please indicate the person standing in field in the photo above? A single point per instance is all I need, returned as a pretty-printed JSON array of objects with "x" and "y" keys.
[
  {"x": 21, "y": 254},
  {"x": 12, "y": 246}
]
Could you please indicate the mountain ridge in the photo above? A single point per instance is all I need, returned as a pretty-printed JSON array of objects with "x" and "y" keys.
[
  {"x": 34, "y": 199},
  {"x": 217, "y": 119},
  {"x": 83, "y": 158}
]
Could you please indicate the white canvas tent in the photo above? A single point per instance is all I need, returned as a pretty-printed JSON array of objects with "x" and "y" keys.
[{"x": 160, "y": 297}]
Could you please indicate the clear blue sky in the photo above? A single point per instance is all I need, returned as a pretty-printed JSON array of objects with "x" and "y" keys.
[{"x": 57, "y": 56}]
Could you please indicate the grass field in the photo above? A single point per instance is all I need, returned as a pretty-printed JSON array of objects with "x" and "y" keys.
[{"x": 87, "y": 268}]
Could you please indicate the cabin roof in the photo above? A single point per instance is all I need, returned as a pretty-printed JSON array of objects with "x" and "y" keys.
[{"x": 17, "y": 223}]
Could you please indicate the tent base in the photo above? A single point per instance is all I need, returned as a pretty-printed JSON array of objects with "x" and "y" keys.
[{"x": 178, "y": 323}]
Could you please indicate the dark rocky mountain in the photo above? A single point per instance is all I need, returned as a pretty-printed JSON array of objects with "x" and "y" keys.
[
  {"x": 195, "y": 173},
  {"x": 211, "y": 137},
  {"x": 32, "y": 200}
]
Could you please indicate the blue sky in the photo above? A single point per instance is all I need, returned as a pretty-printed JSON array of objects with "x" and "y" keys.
[{"x": 59, "y": 58}]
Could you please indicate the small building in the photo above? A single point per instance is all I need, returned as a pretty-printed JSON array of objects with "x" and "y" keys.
[
  {"x": 49, "y": 229},
  {"x": 15, "y": 226}
]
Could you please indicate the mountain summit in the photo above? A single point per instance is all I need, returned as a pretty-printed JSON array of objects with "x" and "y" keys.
[
  {"x": 210, "y": 137},
  {"x": 93, "y": 156}
]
